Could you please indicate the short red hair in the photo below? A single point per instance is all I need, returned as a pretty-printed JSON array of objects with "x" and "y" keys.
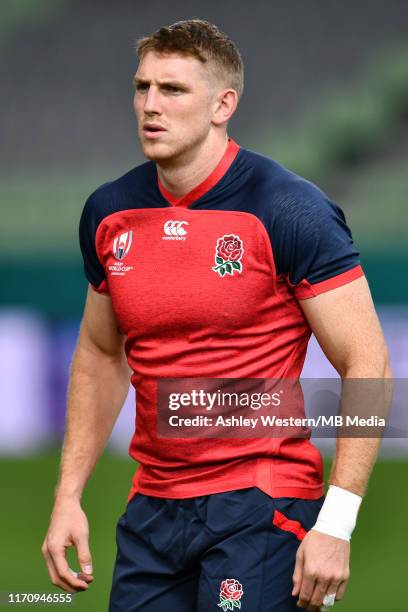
[{"x": 202, "y": 40}]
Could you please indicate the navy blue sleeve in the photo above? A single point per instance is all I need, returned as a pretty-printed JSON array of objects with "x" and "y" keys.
[
  {"x": 310, "y": 239},
  {"x": 88, "y": 225}
]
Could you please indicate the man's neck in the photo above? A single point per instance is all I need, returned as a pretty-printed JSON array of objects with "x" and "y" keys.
[{"x": 182, "y": 176}]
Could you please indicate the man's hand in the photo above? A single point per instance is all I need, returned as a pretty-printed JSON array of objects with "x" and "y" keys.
[
  {"x": 68, "y": 527},
  {"x": 98, "y": 386},
  {"x": 322, "y": 567}
]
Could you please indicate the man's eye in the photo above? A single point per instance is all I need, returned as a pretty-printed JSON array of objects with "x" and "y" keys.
[
  {"x": 141, "y": 87},
  {"x": 172, "y": 89}
]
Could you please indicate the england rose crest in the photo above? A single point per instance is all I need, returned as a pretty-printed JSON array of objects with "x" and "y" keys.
[
  {"x": 228, "y": 255},
  {"x": 231, "y": 592}
]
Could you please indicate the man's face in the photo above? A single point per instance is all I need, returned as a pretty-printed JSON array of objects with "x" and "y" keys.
[{"x": 173, "y": 102}]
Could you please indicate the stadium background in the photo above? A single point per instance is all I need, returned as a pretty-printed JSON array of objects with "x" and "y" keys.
[{"x": 326, "y": 93}]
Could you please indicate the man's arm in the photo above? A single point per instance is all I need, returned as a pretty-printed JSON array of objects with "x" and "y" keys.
[
  {"x": 347, "y": 328},
  {"x": 99, "y": 383}
]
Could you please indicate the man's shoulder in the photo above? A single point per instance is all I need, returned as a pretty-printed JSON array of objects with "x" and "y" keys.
[
  {"x": 281, "y": 189},
  {"x": 125, "y": 185},
  {"x": 134, "y": 189}
]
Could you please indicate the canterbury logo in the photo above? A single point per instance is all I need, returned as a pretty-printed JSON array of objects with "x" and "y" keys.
[{"x": 174, "y": 230}]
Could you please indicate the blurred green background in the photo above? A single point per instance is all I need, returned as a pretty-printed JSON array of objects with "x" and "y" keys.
[
  {"x": 378, "y": 562},
  {"x": 326, "y": 94}
]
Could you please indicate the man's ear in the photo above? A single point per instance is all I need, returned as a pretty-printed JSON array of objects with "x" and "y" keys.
[{"x": 225, "y": 105}]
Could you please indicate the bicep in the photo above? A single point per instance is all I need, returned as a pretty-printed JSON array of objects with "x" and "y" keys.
[
  {"x": 346, "y": 326},
  {"x": 99, "y": 327}
]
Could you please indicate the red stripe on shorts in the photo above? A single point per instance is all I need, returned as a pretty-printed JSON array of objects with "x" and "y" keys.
[{"x": 282, "y": 521}]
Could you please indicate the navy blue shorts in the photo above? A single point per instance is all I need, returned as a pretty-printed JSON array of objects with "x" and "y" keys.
[{"x": 226, "y": 551}]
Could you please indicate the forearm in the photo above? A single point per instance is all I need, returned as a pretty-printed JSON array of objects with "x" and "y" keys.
[
  {"x": 353, "y": 463},
  {"x": 97, "y": 390},
  {"x": 364, "y": 394}
]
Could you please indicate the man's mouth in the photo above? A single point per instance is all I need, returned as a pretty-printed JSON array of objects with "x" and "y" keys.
[{"x": 153, "y": 130}]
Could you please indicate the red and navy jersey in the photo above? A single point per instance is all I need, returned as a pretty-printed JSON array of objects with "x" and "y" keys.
[{"x": 208, "y": 285}]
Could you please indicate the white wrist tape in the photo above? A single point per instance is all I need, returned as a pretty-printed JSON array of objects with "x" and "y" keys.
[{"x": 338, "y": 515}]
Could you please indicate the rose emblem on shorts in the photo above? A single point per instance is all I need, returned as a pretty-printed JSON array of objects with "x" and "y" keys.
[
  {"x": 228, "y": 255},
  {"x": 231, "y": 592}
]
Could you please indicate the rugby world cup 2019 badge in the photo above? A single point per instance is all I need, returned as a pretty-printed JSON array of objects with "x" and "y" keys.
[
  {"x": 228, "y": 255},
  {"x": 231, "y": 592},
  {"x": 120, "y": 248},
  {"x": 122, "y": 244}
]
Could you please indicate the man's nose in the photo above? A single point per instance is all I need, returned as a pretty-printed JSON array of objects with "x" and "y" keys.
[{"x": 152, "y": 102}]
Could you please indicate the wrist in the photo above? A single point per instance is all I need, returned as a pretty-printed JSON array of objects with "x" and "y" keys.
[
  {"x": 67, "y": 494},
  {"x": 338, "y": 515}
]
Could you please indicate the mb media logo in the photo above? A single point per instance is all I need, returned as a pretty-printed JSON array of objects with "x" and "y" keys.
[{"x": 174, "y": 230}]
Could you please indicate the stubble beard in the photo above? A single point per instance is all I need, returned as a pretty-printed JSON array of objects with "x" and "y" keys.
[{"x": 178, "y": 154}]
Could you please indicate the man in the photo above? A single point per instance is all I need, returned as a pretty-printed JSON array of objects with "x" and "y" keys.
[{"x": 212, "y": 261}]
